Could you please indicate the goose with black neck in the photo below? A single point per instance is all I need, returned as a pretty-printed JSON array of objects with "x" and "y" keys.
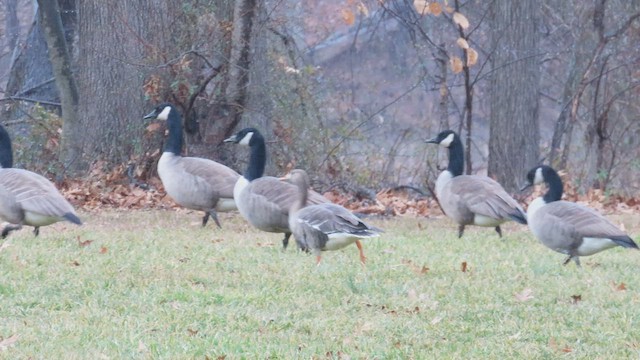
[
  {"x": 192, "y": 182},
  {"x": 472, "y": 199},
  {"x": 264, "y": 201},
  {"x": 567, "y": 227}
]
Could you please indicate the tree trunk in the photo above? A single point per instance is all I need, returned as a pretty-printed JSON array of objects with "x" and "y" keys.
[
  {"x": 71, "y": 146},
  {"x": 243, "y": 19},
  {"x": 514, "y": 133},
  {"x": 119, "y": 44}
]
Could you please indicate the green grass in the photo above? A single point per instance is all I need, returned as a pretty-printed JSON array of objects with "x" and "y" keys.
[{"x": 156, "y": 285}]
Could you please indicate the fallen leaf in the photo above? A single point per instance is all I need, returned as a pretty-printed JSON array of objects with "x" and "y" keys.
[
  {"x": 463, "y": 266},
  {"x": 103, "y": 250},
  {"x": 192, "y": 332},
  {"x": 75, "y": 263},
  {"x": 84, "y": 243},
  {"x": 576, "y": 298},
  {"x": 567, "y": 349},
  {"x": 619, "y": 287},
  {"x": 5, "y": 343},
  {"x": 526, "y": 294}
]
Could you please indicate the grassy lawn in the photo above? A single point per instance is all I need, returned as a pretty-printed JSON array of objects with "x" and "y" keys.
[{"x": 155, "y": 285}]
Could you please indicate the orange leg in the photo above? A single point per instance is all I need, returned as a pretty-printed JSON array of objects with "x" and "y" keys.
[
  {"x": 318, "y": 259},
  {"x": 363, "y": 258}
]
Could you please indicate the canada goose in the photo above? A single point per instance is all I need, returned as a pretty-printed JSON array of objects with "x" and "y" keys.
[
  {"x": 472, "y": 199},
  {"x": 192, "y": 182},
  {"x": 265, "y": 201},
  {"x": 567, "y": 227},
  {"x": 27, "y": 198},
  {"x": 324, "y": 226}
]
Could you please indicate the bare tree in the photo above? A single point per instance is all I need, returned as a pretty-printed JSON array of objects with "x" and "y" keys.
[
  {"x": 71, "y": 148},
  {"x": 514, "y": 139}
]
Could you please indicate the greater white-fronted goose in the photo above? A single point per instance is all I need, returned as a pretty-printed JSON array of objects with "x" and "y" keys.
[{"x": 326, "y": 226}]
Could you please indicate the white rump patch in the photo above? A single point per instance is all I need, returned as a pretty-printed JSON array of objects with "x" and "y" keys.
[
  {"x": 482, "y": 220},
  {"x": 339, "y": 240},
  {"x": 539, "y": 178},
  {"x": 447, "y": 141},
  {"x": 164, "y": 115},
  {"x": 225, "y": 204},
  {"x": 35, "y": 219},
  {"x": 246, "y": 139},
  {"x": 591, "y": 246}
]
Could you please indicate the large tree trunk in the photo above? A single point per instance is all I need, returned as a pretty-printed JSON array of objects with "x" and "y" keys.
[
  {"x": 514, "y": 134},
  {"x": 243, "y": 19},
  {"x": 118, "y": 42},
  {"x": 71, "y": 144}
]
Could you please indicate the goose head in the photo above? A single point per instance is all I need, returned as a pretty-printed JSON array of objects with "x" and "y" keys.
[
  {"x": 247, "y": 136},
  {"x": 161, "y": 112},
  {"x": 545, "y": 174},
  {"x": 444, "y": 138}
]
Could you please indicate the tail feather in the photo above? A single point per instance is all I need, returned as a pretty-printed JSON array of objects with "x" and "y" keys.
[
  {"x": 72, "y": 218},
  {"x": 624, "y": 241},
  {"x": 519, "y": 217}
]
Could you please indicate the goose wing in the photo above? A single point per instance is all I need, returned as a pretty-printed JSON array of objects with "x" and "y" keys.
[
  {"x": 482, "y": 195},
  {"x": 581, "y": 220},
  {"x": 331, "y": 218},
  {"x": 221, "y": 179},
  {"x": 34, "y": 193}
]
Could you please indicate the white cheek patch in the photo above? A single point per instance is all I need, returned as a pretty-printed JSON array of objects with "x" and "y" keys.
[
  {"x": 246, "y": 139},
  {"x": 164, "y": 115},
  {"x": 539, "y": 178},
  {"x": 447, "y": 141}
]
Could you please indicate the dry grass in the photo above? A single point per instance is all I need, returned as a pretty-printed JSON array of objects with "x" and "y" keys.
[{"x": 156, "y": 285}]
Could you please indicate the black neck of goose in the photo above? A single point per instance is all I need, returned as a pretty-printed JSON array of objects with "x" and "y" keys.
[
  {"x": 554, "y": 183},
  {"x": 6, "y": 153},
  {"x": 174, "y": 141},
  {"x": 257, "y": 160},
  {"x": 456, "y": 157}
]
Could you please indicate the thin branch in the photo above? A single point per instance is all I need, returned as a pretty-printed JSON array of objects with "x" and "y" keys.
[{"x": 37, "y": 101}]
